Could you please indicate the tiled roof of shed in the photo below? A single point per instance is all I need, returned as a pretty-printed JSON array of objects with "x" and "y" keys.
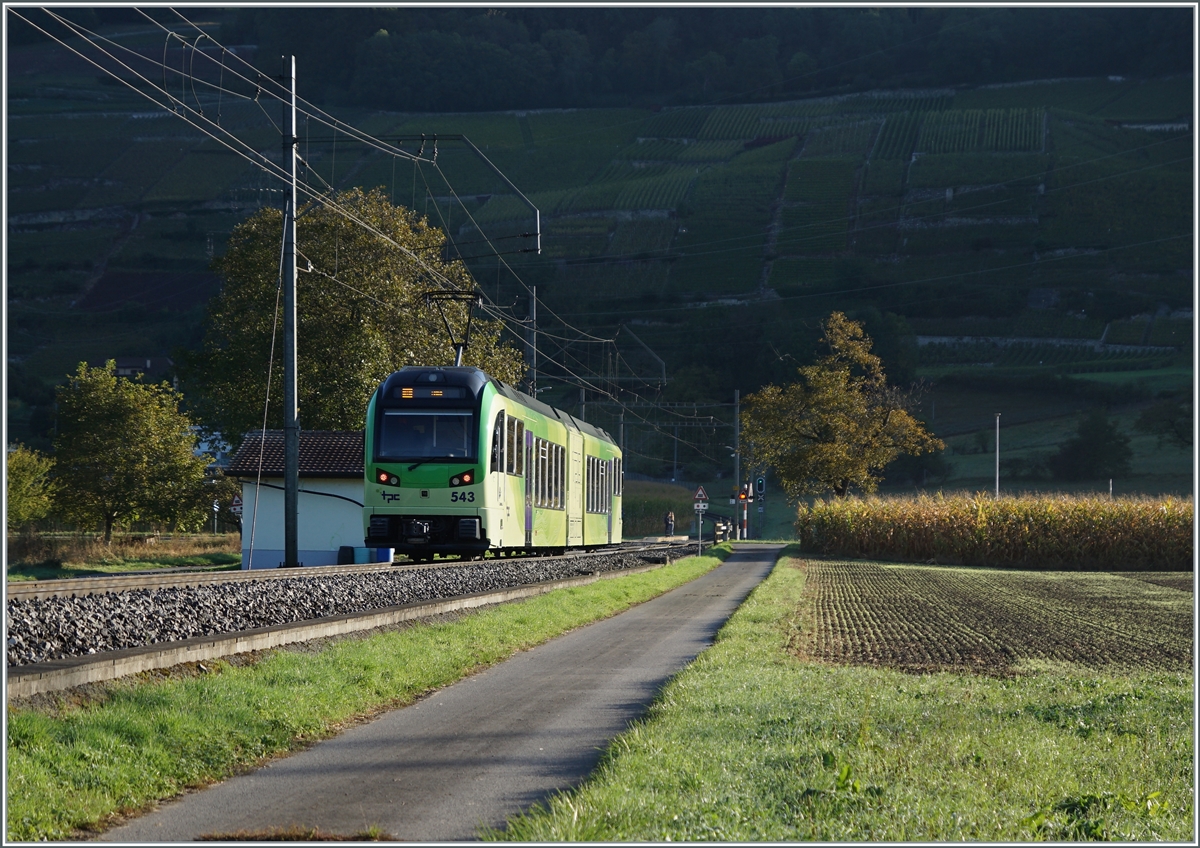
[{"x": 323, "y": 453}]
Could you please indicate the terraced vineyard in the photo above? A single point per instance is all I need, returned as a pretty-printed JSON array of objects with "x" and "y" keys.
[
  {"x": 818, "y": 215},
  {"x": 898, "y": 136},
  {"x": 925, "y": 619},
  {"x": 1027, "y": 209}
]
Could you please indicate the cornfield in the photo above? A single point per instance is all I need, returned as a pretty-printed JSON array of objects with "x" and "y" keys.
[{"x": 1030, "y": 532}]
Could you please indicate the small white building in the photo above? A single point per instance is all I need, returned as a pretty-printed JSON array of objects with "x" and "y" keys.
[{"x": 330, "y": 502}]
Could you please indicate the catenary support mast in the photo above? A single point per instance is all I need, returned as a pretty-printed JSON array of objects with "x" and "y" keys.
[{"x": 291, "y": 406}]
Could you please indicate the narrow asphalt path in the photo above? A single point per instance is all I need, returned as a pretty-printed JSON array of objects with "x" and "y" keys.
[{"x": 475, "y": 753}]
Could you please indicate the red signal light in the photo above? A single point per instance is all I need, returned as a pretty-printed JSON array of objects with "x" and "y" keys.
[{"x": 463, "y": 478}]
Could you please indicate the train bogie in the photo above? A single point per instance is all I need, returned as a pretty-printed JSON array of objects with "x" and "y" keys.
[{"x": 459, "y": 463}]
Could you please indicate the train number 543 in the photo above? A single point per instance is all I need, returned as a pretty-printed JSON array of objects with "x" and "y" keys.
[{"x": 462, "y": 496}]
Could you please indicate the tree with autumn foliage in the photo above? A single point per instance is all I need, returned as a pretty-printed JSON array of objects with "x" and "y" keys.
[
  {"x": 361, "y": 315},
  {"x": 837, "y": 427},
  {"x": 30, "y": 486}
]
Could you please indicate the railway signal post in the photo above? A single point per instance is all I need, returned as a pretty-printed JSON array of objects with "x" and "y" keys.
[{"x": 701, "y": 499}]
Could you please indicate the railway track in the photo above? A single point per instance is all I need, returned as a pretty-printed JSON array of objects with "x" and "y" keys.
[
  {"x": 81, "y": 586},
  {"x": 67, "y": 639}
]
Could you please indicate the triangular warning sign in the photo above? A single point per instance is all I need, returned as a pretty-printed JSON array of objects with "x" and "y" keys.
[{"x": 701, "y": 495}]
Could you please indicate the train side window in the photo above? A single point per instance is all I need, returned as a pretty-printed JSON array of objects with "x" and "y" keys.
[
  {"x": 515, "y": 459},
  {"x": 618, "y": 477},
  {"x": 540, "y": 457},
  {"x": 520, "y": 464},
  {"x": 498, "y": 441},
  {"x": 511, "y": 443},
  {"x": 558, "y": 476},
  {"x": 599, "y": 491}
]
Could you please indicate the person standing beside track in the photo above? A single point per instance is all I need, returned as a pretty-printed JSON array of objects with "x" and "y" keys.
[{"x": 669, "y": 522}]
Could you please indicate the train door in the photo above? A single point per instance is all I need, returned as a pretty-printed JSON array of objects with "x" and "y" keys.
[
  {"x": 608, "y": 467},
  {"x": 574, "y": 487},
  {"x": 529, "y": 468},
  {"x": 499, "y": 467}
]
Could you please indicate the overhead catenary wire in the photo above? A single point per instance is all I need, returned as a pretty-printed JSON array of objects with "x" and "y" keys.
[
  {"x": 396, "y": 153},
  {"x": 334, "y": 123},
  {"x": 575, "y": 376},
  {"x": 260, "y": 162},
  {"x": 196, "y": 118}
]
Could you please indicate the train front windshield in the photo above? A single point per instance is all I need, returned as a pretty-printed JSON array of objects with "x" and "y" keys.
[{"x": 444, "y": 434}]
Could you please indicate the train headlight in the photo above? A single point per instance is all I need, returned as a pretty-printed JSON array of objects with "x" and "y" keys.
[
  {"x": 463, "y": 478},
  {"x": 387, "y": 478}
]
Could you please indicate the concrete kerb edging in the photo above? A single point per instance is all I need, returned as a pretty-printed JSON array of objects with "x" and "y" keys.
[{"x": 55, "y": 675}]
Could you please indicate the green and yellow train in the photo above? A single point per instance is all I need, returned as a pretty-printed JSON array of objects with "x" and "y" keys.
[{"x": 459, "y": 463}]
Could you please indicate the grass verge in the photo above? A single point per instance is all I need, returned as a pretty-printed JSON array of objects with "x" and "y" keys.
[
  {"x": 76, "y": 769},
  {"x": 53, "y": 570},
  {"x": 752, "y": 743},
  {"x": 51, "y": 556}
]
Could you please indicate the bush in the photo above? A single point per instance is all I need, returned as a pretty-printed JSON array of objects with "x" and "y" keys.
[
  {"x": 1097, "y": 450},
  {"x": 1037, "y": 532}
]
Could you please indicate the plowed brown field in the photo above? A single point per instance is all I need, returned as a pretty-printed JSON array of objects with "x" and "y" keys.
[{"x": 924, "y": 619}]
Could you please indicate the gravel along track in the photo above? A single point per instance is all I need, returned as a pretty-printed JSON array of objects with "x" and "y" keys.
[{"x": 56, "y": 628}]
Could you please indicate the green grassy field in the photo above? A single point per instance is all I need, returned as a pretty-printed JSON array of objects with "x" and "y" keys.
[
  {"x": 71, "y": 767},
  {"x": 773, "y": 735}
]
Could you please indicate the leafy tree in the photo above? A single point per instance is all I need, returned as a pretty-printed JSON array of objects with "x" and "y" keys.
[
  {"x": 125, "y": 452},
  {"x": 361, "y": 315},
  {"x": 1097, "y": 450},
  {"x": 839, "y": 426},
  {"x": 1170, "y": 421},
  {"x": 29, "y": 485}
]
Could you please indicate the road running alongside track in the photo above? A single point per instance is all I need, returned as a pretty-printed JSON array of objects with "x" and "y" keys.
[{"x": 479, "y": 751}]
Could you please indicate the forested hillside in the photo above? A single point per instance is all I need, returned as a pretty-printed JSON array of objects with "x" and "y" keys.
[{"x": 929, "y": 172}]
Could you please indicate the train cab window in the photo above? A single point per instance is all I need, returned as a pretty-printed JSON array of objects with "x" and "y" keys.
[
  {"x": 412, "y": 434},
  {"x": 498, "y": 443}
]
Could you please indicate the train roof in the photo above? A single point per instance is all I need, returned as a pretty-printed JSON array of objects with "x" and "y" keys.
[
  {"x": 551, "y": 411},
  {"x": 475, "y": 379}
]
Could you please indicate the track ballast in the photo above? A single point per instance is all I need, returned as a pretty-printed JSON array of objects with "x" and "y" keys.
[{"x": 42, "y": 629}]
